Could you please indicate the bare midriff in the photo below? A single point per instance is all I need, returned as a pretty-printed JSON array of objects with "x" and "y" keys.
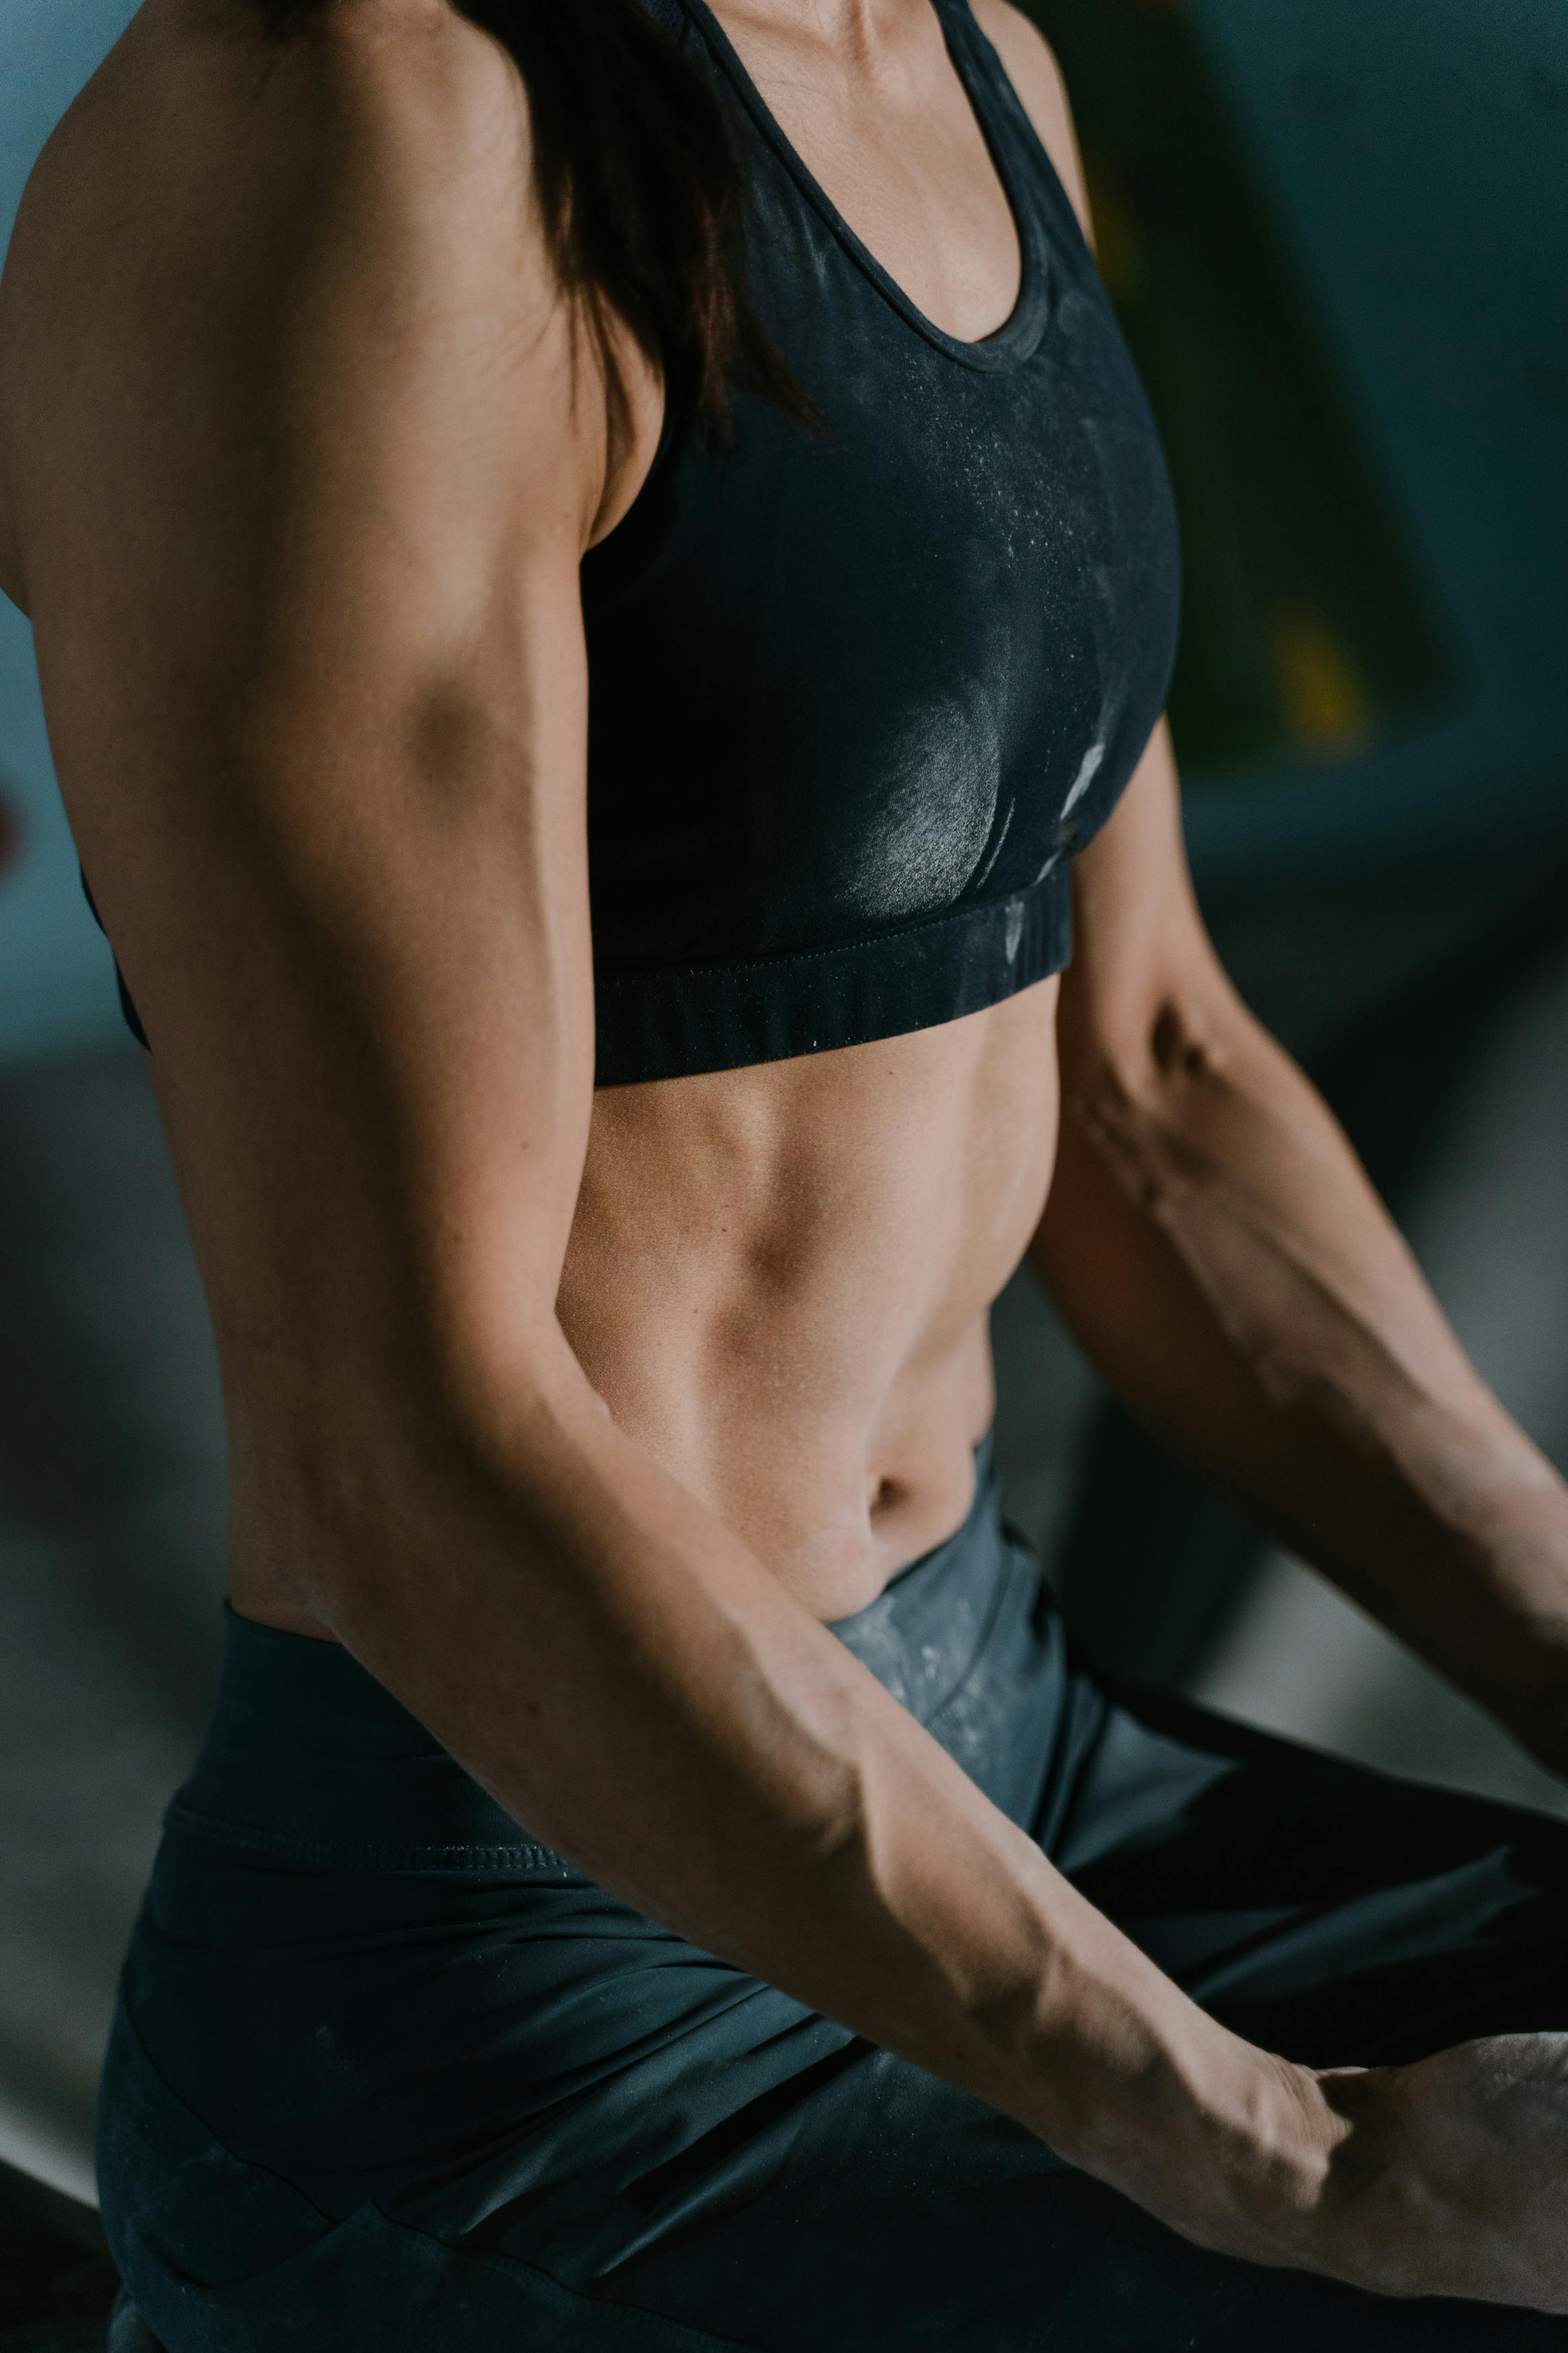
[{"x": 779, "y": 1278}]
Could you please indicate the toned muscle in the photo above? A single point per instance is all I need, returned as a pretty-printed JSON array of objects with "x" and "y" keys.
[{"x": 777, "y": 1278}]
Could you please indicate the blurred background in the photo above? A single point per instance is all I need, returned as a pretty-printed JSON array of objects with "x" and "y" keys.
[{"x": 1337, "y": 231}]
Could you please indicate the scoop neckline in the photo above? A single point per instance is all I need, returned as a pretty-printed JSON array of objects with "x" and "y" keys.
[{"x": 1019, "y": 333}]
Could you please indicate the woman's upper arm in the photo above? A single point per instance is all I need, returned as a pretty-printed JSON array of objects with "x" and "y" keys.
[
  {"x": 305, "y": 485},
  {"x": 1144, "y": 986}
]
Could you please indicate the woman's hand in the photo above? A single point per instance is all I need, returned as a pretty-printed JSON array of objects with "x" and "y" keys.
[
  {"x": 1452, "y": 2177},
  {"x": 1447, "y": 2178}
]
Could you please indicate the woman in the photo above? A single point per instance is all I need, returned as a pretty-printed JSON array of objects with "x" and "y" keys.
[{"x": 658, "y": 1876}]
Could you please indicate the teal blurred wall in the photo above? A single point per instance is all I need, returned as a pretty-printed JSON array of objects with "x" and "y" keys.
[
  {"x": 1418, "y": 149},
  {"x": 57, "y": 986}
]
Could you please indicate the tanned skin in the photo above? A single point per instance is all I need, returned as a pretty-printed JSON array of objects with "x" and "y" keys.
[{"x": 575, "y": 1416}]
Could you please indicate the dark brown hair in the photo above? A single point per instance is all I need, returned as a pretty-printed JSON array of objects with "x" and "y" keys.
[{"x": 638, "y": 189}]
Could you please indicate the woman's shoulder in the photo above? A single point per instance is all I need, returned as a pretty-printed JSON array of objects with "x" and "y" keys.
[
  {"x": 227, "y": 220},
  {"x": 1031, "y": 67},
  {"x": 222, "y": 112},
  {"x": 1019, "y": 42}
]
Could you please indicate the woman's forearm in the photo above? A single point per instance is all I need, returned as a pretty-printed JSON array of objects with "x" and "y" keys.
[
  {"x": 625, "y": 1677},
  {"x": 1220, "y": 1253}
]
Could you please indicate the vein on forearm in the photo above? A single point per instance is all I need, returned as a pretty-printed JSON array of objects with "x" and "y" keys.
[{"x": 1217, "y": 1246}]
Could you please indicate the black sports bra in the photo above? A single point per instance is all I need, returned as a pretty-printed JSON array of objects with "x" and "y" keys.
[{"x": 857, "y": 697}]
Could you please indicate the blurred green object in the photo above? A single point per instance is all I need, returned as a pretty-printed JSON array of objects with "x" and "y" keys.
[{"x": 1307, "y": 633}]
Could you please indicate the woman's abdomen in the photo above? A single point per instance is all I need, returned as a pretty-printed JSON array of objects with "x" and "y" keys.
[{"x": 778, "y": 1281}]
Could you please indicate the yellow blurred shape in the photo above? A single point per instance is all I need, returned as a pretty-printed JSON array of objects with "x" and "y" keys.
[
  {"x": 1119, "y": 244},
  {"x": 1324, "y": 701}
]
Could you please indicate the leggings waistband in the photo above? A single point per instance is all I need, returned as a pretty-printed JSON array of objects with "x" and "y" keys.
[{"x": 310, "y": 1755}]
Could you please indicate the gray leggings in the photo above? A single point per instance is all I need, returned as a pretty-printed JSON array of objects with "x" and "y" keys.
[{"x": 388, "y": 2073}]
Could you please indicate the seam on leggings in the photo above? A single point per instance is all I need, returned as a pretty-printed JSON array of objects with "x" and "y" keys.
[
  {"x": 125, "y": 2017},
  {"x": 348, "y": 1854},
  {"x": 640, "y": 2318}
]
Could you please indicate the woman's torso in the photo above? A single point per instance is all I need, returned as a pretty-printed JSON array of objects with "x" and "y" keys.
[
  {"x": 779, "y": 1274},
  {"x": 778, "y": 1281}
]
